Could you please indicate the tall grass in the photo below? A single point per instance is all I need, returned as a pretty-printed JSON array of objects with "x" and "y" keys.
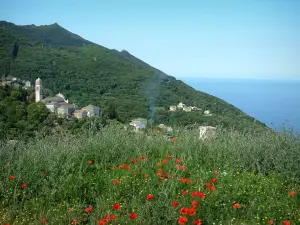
[{"x": 258, "y": 171}]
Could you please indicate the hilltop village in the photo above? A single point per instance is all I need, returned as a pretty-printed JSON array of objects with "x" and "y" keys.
[{"x": 61, "y": 106}]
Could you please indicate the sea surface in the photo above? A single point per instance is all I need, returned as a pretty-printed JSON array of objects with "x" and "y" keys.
[{"x": 273, "y": 102}]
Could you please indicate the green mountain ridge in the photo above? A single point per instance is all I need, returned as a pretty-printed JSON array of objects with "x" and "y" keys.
[{"x": 87, "y": 73}]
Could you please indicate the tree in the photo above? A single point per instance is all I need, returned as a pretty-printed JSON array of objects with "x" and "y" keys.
[{"x": 37, "y": 112}]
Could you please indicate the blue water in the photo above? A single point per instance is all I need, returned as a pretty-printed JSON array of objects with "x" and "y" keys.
[{"x": 273, "y": 102}]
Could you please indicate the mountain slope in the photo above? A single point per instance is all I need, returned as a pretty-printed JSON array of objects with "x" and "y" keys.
[{"x": 91, "y": 74}]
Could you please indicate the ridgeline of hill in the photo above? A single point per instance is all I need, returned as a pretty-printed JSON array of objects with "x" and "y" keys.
[{"x": 87, "y": 73}]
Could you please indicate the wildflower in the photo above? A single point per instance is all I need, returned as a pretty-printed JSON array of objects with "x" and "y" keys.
[
  {"x": 197, "y": 222},
  {"x": 215, "y": 172},
  {"x": 112, "y": 217},
  {"x": 160, "y": 171},
  {"x": 116, "y": 206},
  {"x": 237, "y": 206},
  {"x": 146, "y": 176},
  {"x": 158, "y": 164},
  {"x": 212, "y": 188},
  {"x": 271, "y": 222},
  {"x": 116, "y": 181},
  {"x": 24, "y": 186},
  {"x": 286, "y": 222},
  {"x": 195, "y": 204},
  {"x": 90, "y": 162},
  {"x": 143, "y": 157},
  {"x": 44, "y": 220},
  {"x": 169, "y": 157},
  {"x": 178, "y": 160},
  {"x": 174, "y": 140},
  {"x": 175, "y": 204},
  {"x": 134, "y": 160},
  {"x": 184, "y": 210},
  {"x": 112, "y": 169},
  {"x": 208, "y": 185},
  {"x": 214, "y": 180},
  {"x": 183, "y": 192},
  {"x": 44, "y": 172},
  {"x": 150, "y": 197},
  {"x": 192, "y": 212},
  {"x": 182, "y": 220},
  {"x": 165, "y": 161},
  {"x": 132, "y": 216},
  {"x": 12, "y": 177},
  {"x": 75, "y": 222},
  {"x": 293, "y": 193},
  {"x": 89, "y": 209}
]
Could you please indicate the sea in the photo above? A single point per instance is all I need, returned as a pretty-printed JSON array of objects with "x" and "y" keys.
[{"x": 273, "y": 102}]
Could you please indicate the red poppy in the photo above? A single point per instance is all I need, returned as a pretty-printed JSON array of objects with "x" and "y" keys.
[
  {"x": 214, "y": 180},
  {"x": 165, "y": 161},
  {"x": 237, "y": 206},
  {"x": 116, "y": 206},
  {"x": 195, "y": 204},
  {"x": 197, "y": 222},
  {"x": 75, "y": 222},
  {"x": 160, "y": 171},
  {"x": 212, "y": 188},
  {"x": 132, "y": 216},
  {"x": 134, "y": 160},
  {"x": 90, "y": 162},
  {"x": 24, "y": 186},
  {"x": 158, "y": 164},
  {"x": 208, "y": 185},
  {"x": 44, "y": 172},
  {"x": 182, "y": 220},
  {"x": 286, "y": 222},
  {"x": 184, "y": 210},
  {"x": 150, "y": 197},
  {"x": 174, "y": 139},
  {"x": 89, "y": 209},
  {"x": 183, "y": 192},
  {"x": 44, "y": 220},
  {"x": 215, "y": 172},
  {"x": 116, "y": 181},
  {"x": 175, "y": 204},
  {"x": 169, "y": 157},
  {"x": 146, "y": 176},
  {"x": 271, "y": 222},
  {"x": 143, "y": 157},
  {"x": 201, "y": 195},
  {"x": 293, "y": 193},
  {"x": 113, "y": 168},
  {"x": 192, "y": 212},
  {"x": 12, "y": 177},
  {"x": 102, "y": 222},
  {"x": 178, "y": 160},
  {"x": 112, "y": 217}
]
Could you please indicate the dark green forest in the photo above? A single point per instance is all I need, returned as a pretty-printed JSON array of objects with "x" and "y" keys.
[{"x": 86, "y": 73}]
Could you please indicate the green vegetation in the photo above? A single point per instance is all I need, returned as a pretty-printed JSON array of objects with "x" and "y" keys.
[
  {"x": 21, "y": 118},
  {"x": 118, "y": 82},
  {"x": 81, "y": 177}
]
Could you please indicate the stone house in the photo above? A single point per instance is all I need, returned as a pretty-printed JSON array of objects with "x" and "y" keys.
[
  {"x": 66, "y": 111},
  {"x": 173, "y": 108},
  {"x": 80, "y": 114},
  {"x": 92, "y": 110}
]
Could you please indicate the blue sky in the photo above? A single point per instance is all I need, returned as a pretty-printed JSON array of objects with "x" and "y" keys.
[{"x": 196, "y": 38}]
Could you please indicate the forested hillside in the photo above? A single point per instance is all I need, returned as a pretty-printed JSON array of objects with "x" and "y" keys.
[{"x": 87, "y": 73}]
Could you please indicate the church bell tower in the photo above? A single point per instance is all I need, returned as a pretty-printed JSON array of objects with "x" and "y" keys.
[{"x": 38, "y": 90}]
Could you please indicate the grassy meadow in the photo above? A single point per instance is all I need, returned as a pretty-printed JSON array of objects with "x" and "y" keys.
[{"x": 119, "y": 177}]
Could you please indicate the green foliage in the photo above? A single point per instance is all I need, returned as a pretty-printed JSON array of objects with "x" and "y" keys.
[
  {"x": 87, "y": 73},
  {"x": 257, "y": 171},
  {"x": 37, "y": 112}
]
